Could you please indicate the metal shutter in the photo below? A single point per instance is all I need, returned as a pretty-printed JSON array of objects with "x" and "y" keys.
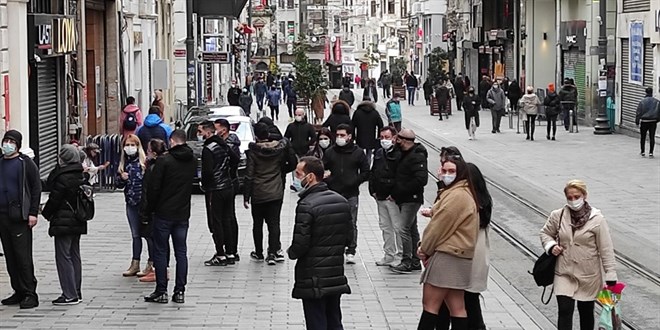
[
  {"x": 636, "y": 5},
  {"x": 631, "y": 94},
  {"x": 47, "y": 101},
  {"x": 575, "y": 68},
  {"x": 509, "y": 62}
]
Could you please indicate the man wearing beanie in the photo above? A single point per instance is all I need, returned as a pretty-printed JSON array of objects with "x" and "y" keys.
[{"x": 20, "y": 194}]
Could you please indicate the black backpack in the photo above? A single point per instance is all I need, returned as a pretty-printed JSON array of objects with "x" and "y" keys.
[
  {"x": 544, "y": 269},
  {"x": 130, "y": 122},
  {"x": 84, "y": 208}
]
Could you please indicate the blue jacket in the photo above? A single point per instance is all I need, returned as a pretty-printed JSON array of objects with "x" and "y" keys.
[
  {"x": 274, "y": 97},
  {"x": 393, "y": 111},
  {"x": 132, "y": 186},
  {"x": 260, "y": 89},
  {"x": 153, "y": 128}
]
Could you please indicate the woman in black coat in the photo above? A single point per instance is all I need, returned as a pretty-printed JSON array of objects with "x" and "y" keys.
[
  {"x": 514, "y": 93},
  {"x": 428, "y": 91},
  {"x": 63, "y": 183},
  {"x": 338, "y": 115}
]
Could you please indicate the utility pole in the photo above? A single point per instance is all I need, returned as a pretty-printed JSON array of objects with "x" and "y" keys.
[
  {"x": 602, "y": 122},
  {"x": 190, "y": 56}
]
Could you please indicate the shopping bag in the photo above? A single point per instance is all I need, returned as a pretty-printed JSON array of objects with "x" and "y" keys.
[{"x": 610, "y": 315}]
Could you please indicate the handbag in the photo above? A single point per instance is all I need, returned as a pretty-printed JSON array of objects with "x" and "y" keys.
[{"x": 544, "y": 268}]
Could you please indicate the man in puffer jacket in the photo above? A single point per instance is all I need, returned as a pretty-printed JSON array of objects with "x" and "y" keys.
[
  {"x": 321, "y": 231},
  {"x": 648, "y": 114}
]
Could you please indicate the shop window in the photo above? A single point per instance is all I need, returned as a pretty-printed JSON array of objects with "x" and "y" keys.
[{"x": 390, "y": 7}]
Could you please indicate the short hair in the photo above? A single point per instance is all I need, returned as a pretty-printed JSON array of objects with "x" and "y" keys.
[
  {"x": 158, "y": 146},
  {"x": 154, "y": 110},
  {"x": 313, "y": 165},
  {"x": 396, "y": 95},
  {"x": 130, "y": 100},
  {"x": 223, "y": 123},
  {"x": 344, "y": 127},
  {"x": 389, "y": 128},
  {"x": 179, "y": 136},
  {"x": 207, "y": 125},
  {"x": 576, "y": 184},
  {"x": 649, "y": 91},
  {"x": 261, "y": 131}
]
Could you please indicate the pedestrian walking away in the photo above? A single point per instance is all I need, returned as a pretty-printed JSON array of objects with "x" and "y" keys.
[
  {"x": 339, "y": 114},
  {"x": 529, "y": 104},
  {"x": 159, "y": 103},
  {"x": 568, "y": 96},
  {"x": 581, "y": 281},
  {"x": 169, "y": 198},
  {"x": 647, "y": 117},
  {"x": 460, "y": 90},
  {"x": 472, "y": 106},
  {"x": 274, "y": 98},
  {"x": 514, "y": 93},
  {"x": 370, "y": 92},
  {"x": 153, "y": 128},
  {"x": 411, "y": 177},
  {"x": 442, "y": 96},
  {"x": 393, "y": 112},
  {"x": 130, "y": 118},
  {"x": 367, "y": 124},
  {"x": 484, "y": 87},
  {"x": 63, "y": 183},
  {"x": 291, "y": 98},
  {"x": 245, "y": 101},
  {"x": 552, "y": 110},
  {"x": 320, "y": 233},
  {"x": 20, "y": 193},
  {"x": 386, "y": 82},
  {"x": 497, "y": 101},
  {"x": 260, "y": 90},
  {"x": 428, "y": 91},
  {"x": 412, "y": 84},
  {"x": 347, "y": 168},
  {"x": 273, "y": 132}
]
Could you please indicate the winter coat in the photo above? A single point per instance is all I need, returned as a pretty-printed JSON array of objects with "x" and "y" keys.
[
  {"x": 347, "y": 96},
  {"x": 428, "y": 89},
  {"x": 393, "y": 111},
  {"x": 366, "y": 126},
  {"x": 484, "y": 87},
  {"x": 130, "y": 108},
  {"x": 370, "y": 93},
  {"x": 263, "y": 178},
  {"x": 301, "y": 135},
  {"x": 442, "y": 94},
  {"x": 30, "y": 190},
  {"x": 274, "y": 133},
  {"x": 471, "y": 105},
  {"x": 568, "y": 93},
  {"x": 335, "y": 120},
  {"x": 63, "y": 182},
  {"x": 480, "y": 263},
  {"x": 233, "y": 96},
  {"x": 274, "y": 97},
  {"x": 529, "y": 105},
  {"x": 411, "y": 176},
  {"x": 552, "y": 104},
  {"x": 245, "y": 100},
  {"x": 411, "y": 81},
  {"x": 648, "y": 110},
  {"x": 496, "y": 98},
  {"x": 514, "y": 93},
  {"x": 153, "y": 128},
  {"x": 133, "y": 186},
  {"x": 386, "y": 79},
  {"x": 383, "y": 172},
  {"x": 217, "y": 164},
  {"x": 348, "y": 166},
  {"x": 459, "y": 88},
  {"x": 587, "y": 250},
  {"x": 321, "y": 232},
  {"x": 170, "y": 184},
  {"x": 260, "y": 89}
]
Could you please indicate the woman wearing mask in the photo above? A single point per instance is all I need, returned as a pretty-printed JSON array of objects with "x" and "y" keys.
[
  {"x": 131, "y": 174},
  {"x": 579, "y": 236},
  {"x": 324, "y": 139},
  {"x": 63, "y": 183},
  {"x": 552, "y": 110},
  {"x": 529, "y": 106},
  {"x": 471, "y": 105},
  {"x": 89, "y": 167},
  {"x": 448, "y": 245}
]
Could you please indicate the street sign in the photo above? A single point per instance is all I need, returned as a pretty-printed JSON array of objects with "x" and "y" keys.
[
  {"x": 179, "y": 53},
  {"x": 213, "y": 57}
]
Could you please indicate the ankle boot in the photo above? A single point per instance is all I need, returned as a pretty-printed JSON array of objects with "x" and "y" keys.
[
  {"x": 459, "y": 323},
  {"x": 133, "y": 269},
  {"x": 149, "y": 268},
  {"x": 427, "y": 321}
]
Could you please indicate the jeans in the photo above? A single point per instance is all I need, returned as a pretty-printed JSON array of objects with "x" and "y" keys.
[
  {"x": 649, "y": 127},
  {"x": 269, "y": 212},
  {"x": 324, "y": 313},
  {"x": 133, "y": 215},
  {"x": 352, "y": 245},
  {"x": 69, "y": 266},
  {"x": 260, "y": 102},
  {"x": 178, "y": 230},
  {"x": 219, "y": 208},
  {"x": 551, "y": 121},
  {"x": 473, "y": 309},
  {"x": 406, "y": 230},
  {"x": 530, "y": 125},
  {"x": 411, "y": 95},
  {"x": 566, "y": 307},
  {"x": 274, "y": 112},
  {"x": 16, "y": 239},
  {"x": 495, "y": 114},
  {"x": 388, "y": 215}
]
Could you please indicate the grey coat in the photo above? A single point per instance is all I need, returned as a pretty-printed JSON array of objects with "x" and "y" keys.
[{"x": 496, "y": 98}]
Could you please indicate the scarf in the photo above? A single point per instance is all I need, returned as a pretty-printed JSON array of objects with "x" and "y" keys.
[{"x": 580, "y": 217}]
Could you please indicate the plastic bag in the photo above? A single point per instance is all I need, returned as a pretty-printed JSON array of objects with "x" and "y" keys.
[{"x": 610, "y": 315}]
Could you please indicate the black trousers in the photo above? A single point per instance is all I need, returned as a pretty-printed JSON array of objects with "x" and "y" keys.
[
  {"x": 648, "y": 127},
  {"x": 219, "y": 210},
  {"x": 530, "y": 125},
  {"x": 270, "y": 213},
  {"x": 470, "y": 114},
  {"x": 567, "y": 307},
  {"x": 291, "y": 105},
  {"x": 474, "y": 314},
  {"x": 324, "y": 313},
  {"x": 552, "y": 121},
  {"x": 459, "y": 102},
  {"x": 16, "y": 237},
  {"x": 274, "y": 112}
]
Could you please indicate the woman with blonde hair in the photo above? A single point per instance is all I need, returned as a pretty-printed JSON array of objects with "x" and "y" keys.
[
  {"x": 580, "y": 238},
  {"x": 132, "y": 165},
  {"x": 529, "y": 106}
]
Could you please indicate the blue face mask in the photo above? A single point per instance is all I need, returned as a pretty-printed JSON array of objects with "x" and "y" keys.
[
  {"x": 8, "y": 148},
  {"x": 300, "y": 184}
]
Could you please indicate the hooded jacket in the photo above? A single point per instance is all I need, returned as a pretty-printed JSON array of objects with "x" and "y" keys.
[
  {"x": 348, "y": 166},
  {"x": 514, "y": 93},
  {"x": 302, "y": 135},
  {"x": 233, "y": 95},
  {"x": 552, "y": 104},
  {"x": 133, "y": 186},
  {"x": 321, "y": 232},
  {"x": 568, "y": 93},
  {"x": 648, "y": 109},
  {"x": 496, "y": 98},
  {"x": 218, "y": 161},
  {"x": 367, "y": 124},
  {"x": 263, "y": 178},
  {"x": 62, "y": 183},
  {"x": 411, "y": 176},
  {"x": 529, "y": 104},
  {"x": 30, "y": 189},
  {"x": 338, "y": 116},
  {"x": 383, "y": 172},
  {"x": 153, "y": 128},
  {"x": 130, "y": 108},
  {"x": 170, "y": 184},
  {"x": 347, "y": 96},
  {"x": 274, "y": 132}
]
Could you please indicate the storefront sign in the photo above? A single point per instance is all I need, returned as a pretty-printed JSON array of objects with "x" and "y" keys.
[
  {"x": 53, "y": 35},
  {"x": 64, "y": 35},
  {"x": 636, "y": 56},
  {"x": 573, "y": 34}
]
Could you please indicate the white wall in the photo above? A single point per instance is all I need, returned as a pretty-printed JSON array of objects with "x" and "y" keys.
[{"x": 541, "y": 54}]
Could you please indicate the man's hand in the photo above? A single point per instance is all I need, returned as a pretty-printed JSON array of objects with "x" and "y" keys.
[
  {"x": 32, "y": 221},
  {"x": 246, "y": 204}
]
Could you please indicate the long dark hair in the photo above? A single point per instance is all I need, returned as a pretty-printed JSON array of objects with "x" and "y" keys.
[
  {"x": 485, "y": 200},
  {"x": 462, "y": 173}
]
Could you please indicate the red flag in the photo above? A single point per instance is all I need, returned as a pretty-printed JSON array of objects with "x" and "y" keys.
[
  {"x": 338, "y": 50},
  {"x": 327, "y": 50}
]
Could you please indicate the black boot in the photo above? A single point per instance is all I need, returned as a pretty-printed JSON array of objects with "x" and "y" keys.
[
  {"x": 459, "y": 323},
  {"x": 427, "y": 321},
  {"x": 444, "y": 319}
]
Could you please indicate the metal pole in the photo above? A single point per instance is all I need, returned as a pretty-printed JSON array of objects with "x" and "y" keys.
[
  {"x": 602, "y": 122},
  {"x": 249, "y": 41},
  {"x": 190, "y": 56}
]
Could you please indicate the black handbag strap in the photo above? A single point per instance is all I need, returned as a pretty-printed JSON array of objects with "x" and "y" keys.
[
  {"x": 547, "y": 301},
  {"x": 561, "y": 216}
]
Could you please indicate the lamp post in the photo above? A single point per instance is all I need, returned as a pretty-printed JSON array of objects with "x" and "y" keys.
[
  {"x": 191, "y": 78},
  {"x": 602, "y": 126}
]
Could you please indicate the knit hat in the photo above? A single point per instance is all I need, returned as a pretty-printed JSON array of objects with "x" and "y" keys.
[
  {"x": 69, "y": 154},
  {"x": 15, "y": 136},
  {"x": 551, "y": 87}
]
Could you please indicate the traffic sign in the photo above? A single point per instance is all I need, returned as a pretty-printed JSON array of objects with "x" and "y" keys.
[{"x": 213, "y": 57}]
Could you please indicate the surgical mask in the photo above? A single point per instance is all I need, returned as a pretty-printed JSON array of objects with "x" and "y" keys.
[
  {"x": 576, "y": 204},
  {"x": 200, "y": 138},
  {"x": 341, "y": 142},
  {"x": 130, "y": 150},
  {"x": 496, "y": 86},
  {"x": 299, "y": 118},
  {"x": 448, "y": 179},
  {"x": 8, "y": 148},
  {"x": 300, "y": 184},
  {"x": 324, "y": 144},
  {"x": 386, "y": 144}
]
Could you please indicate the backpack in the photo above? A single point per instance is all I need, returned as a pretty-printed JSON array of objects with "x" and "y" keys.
[
  {"x": 84, "y": 208},
  {"x": 130, "y": 121},
  {"x": 544, "y": 269}
]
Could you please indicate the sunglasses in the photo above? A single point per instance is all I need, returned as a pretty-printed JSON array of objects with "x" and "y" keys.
[{"x": 406, "y": 138}]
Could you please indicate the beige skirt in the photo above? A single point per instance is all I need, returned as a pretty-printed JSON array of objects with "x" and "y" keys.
[{"x": 447, "y": 271}]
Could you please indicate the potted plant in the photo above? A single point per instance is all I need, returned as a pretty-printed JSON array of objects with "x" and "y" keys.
[{"x": 398, "y": 69}]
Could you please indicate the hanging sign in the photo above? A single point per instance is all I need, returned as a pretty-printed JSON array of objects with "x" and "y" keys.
[{"x": 636, "y": 54}]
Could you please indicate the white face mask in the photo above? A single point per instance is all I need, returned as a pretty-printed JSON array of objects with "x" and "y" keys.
[
  {"x": 341, "y": 142},
  {"x": 130, "y": 150},
  {"x": 386, "y": 144},
  {"x": 576, "y": 204},
  {"x": 200, "y": 138},
  {"x": 448, "y": 179},
  {"x": 299, "y": 118},
  {"x": 8, "y": 148},
  {"x": 324, "y": 144}
]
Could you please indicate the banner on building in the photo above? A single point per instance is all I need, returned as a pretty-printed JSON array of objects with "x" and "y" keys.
[{"x": 636, "y": 54}]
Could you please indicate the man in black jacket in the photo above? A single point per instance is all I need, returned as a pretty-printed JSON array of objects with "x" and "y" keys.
[
  {"x": 408, "y": 193},
  {"x": 568, "y": 96},
  {"x": 648, "y": 115},
  {"x": 301, "y": 133},
  {"x": 320, "y": 233},
  {"x": 234, "y": 94},
  {"x": 168, "y": 197},
  {"x": 346, "y": 95},
  {"x": 264, "y": 188},
  {"x": 20, "y": 194},
  {"x": 347, "y": 167},
  {"x": 216, "y": 182},
  {"x": 381, "y": 183},
  {"x": 367, "y": 123}
]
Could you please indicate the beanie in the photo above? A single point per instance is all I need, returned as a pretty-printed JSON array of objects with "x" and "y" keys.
[
  {"x": 69, "y": 154},
  {"x": 551, "y": 87},
  {"x": 15, "y": 136}
]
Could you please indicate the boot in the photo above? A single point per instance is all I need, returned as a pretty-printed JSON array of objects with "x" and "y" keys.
[
  {"x": 133, "y": 269},
  {"x": 427, "y": 321},
  {"x": 147, "y": 269},
  {"x": 459, "y": 323},
  {"x": 148, "y": 278}
]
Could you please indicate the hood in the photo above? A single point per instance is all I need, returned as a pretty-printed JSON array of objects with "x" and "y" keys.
[
  {"x": 131, "y": 108},
  {"x": 182, "y": 152},
  {"x": 529, "y": 96},
  {"x": 152, "y": 120},
  {"x": 59, "y": 170},
  {"x": 266, "y": 121},
  {"x": 366, "y": 106},
  {"x": 340, "y": 107},
  {"x": 568, "y": 87},
  {"x": 267, "y": 149}
]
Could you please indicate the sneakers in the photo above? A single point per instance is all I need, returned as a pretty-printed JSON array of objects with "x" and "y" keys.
[
  {"x": 216, "y": 261},
  {"x": 257, "y": 256},
  {"x": 14, "y": 299},
  {"x": 178, "y": 297},
  {"x": 279, "y": 256},
  {"x": 402, "y": 268},
  {"x": 385, "y": 262},
  {"x": 642, "y": 154},
  {"x": 29, "y": 301},
  {"x": 650, "y": 155},
  {"x": 416, "y": 266},
  {"x": 231, "y": 259},
  {"x": 156, "y": 297},
  {"x": 350, "y": 259},
  {"x": 62, "y": 301},
  {"x": 271, "y": 259}
]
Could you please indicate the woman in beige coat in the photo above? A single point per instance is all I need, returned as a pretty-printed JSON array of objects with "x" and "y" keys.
[
  {"x": 529, "y": 106},
  {"x": 580, "y": 238}
]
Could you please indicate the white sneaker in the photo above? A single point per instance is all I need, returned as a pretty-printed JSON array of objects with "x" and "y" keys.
[
  {"x": 350, "y": 259},
  {"x": 470, "y": 137},
  {"x": 385, "y": 261}
]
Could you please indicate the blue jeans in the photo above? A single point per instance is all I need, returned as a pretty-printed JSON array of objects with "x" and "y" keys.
[
  {"x": 411, "y": 95},
  {"x": 324, "y": 313},
  {"x": 354, "y": 202},
  {"x": 406, "y": 230},
  {"x": 163, "y": 229},
  {"x": 133, "y": 215}
]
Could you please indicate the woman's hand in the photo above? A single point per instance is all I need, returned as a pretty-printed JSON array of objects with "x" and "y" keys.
[
  {"x": 557, "y": 250},
  {"x": 425, "y": 212},
  {"x": 124, "y": 176}
]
